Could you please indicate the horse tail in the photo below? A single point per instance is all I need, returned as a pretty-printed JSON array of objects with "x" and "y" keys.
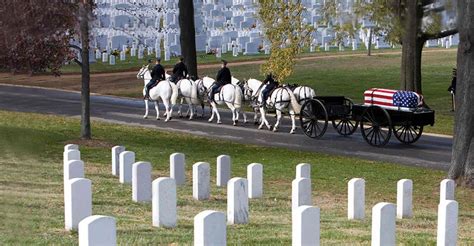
[
  {"x": 194, "y": 96},
  {"x": 294, "y": 102},
  {"x": 174, "y": 93},
  {"x": 238, "y": 97}
]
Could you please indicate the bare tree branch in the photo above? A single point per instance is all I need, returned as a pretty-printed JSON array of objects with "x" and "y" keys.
[
  {"x": 75, "y": 47},
  {"x": 78, "y": 62},
  {"x": 427, "y": 36}
]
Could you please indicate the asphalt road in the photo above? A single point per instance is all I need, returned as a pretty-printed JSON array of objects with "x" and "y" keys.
[{"x": 430, "y": 151}]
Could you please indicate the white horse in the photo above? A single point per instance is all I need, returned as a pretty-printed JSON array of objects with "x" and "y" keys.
[
  {"x": 280, "y": 98},
  {"x": 229, "y": 94},
  {"x": 188, "y": 91},
  {"x": 248, "y": 98},
  {"x": 303, "y": 93},
  {"x": 165, "y": 90}
]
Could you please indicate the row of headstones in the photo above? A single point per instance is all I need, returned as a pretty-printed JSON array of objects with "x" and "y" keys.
[
  {"x": 78, "y": 192},
  {"x": 304, "y": 216}
]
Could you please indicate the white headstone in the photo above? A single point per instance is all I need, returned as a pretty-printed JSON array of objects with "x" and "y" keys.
[
  {"x": 133, "y": 51},
  {"x": 126, "y": 159},
  {"x": 73, "y": 169},
  {"x": 446, "y": 190},
  {"x": 223, "y": 170},
  {"x": 303, "y": 170},
  {"x": 404, "y": 198},
  {"x": 224, "y": 48},
  {"x": 447, "y": 223},
  {"x": 306, "y": 228},
  {"x": 356, "y": 199},
  {"x": 97, "y": 230},
  {"x": 383, "y": 224},
  {"x": 141, "y": 182},
  {"x": 326, "y": 47},
  {"x": 210, "y": 229},
  {"x": 177, "y": 168},
  {"x": 72, "y": 154},
  {"x": 167, "y": 55},
  {"x": 140, "y": 54},
  {"x": 116, "y": 150},
  {"x": 267, "y": 49},
  {"x": 112, "y": 60},
  {"x": 77, "y": 201},
  {"x": 123, "y": 56},
  {"x": 255, "y": 179},
  {"x": 71, "y": 147},
  {"x": 218, "y": 53},
  {"x": 164, "y": 203},
  {"x": 105, "y": 57},
  {"x": 98, "y": 54},
  {"x": 237, "y": 201},
  {"x": 201, "y": 181},
  {"x": 235, "y": 51},
  {"x": 300, "y": 193}
]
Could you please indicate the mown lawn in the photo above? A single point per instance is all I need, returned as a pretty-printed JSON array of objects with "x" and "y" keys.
[{"x": 31, "y": 210}]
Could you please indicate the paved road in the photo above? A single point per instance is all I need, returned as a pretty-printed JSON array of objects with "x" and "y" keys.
[{"x": 430, "y": 151}]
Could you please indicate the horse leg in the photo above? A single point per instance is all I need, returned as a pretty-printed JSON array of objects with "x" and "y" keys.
[
  {"x": 167, "y": 108},
  {"x": 180, "y": 114},
  {"x": 263, "y": 119},
  {"x": 234, "y": 111},
  {"x": 245, "y": 116},
  {"x": 191, "y": 110},
  {"x": 212, "y": 112},
  {"x": 146, "y": 110},
  {"x": 202, "y": 112},
  {"x": 293, "y": 124},
  {"x": 255, "y": 116},
  {"x": 277, "y": 124},
  {"x": 157, "y": 110}
]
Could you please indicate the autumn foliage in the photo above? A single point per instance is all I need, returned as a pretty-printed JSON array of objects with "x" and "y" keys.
[{"x": 36, "y": 34}]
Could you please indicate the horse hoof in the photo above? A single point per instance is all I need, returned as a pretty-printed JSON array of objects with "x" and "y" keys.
[
  {"x": 219, "y": 122},
  {"x": 209, "y": 120},
  {"x": 260, "y": 127},
  {"x": 235, "y": 123},
  {"x": 180, "y": 116},
  {"x": 292, "y": 132},
  {"x": 275, "y": 129},
  {"x": 158, "y": 118},
  {"x": 145, "y": 117},
  {"x": 255, "y": 122}
]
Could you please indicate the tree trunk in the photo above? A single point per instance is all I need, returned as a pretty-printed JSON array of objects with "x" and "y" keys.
[
  {"x": 369, "y": 47},
  {"x": 412, "y": 47},
  {"x": 462, "y": 161},
  {"x": 85, "y": 10},
  {"x": 188, "y": 35}
]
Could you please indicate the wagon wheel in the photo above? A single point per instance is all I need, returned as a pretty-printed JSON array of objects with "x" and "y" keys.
[
  {"x": 376, "y": 126},
  {"x": 407, "y": 133},
  {"x": 345, "y": 125},
  {"x": 313, "y": 118}
]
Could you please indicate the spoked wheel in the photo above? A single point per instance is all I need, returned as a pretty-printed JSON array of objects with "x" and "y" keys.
[
  {"x": 345, "y": 125},
  {"x": 376, "y": 126},
  {"x": 407, "y": 133},
  {"x": 313, "y": 118}
]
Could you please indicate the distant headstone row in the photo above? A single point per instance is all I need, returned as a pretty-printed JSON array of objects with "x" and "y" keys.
[{"x": 209, "y": 225}]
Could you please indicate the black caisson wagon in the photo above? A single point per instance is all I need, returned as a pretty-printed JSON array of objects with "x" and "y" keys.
[{"x": 377, "y": 124}]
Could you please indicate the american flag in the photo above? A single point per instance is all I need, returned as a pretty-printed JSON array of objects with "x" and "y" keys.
[{"x": 393, "y": 99}]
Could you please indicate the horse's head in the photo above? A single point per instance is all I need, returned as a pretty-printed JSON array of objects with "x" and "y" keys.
[
  {"x": 141, "y": 73},
  {"x": 248, "y": 92},
  {"x": 235, "y": 81}
]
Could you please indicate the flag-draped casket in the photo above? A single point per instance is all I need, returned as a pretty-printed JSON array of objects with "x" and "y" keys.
[{"x": 393, "y": 99}]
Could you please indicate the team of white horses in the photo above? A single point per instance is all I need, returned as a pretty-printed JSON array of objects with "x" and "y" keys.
[{"x": 195, "y": 93}]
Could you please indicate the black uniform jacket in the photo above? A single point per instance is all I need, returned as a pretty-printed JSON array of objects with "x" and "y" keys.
[
  {"x": 223, "y": 76},
  {"x": 180, "y": 70},
  {"x": 158, "y": 73}
]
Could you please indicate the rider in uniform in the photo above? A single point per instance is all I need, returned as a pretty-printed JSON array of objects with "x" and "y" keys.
[
  {"x": 180, "y": 71},
  {"x": 271, "y": 84},
  {"x": 223, "y": 78},
  {"x": 157, "y": 75}
]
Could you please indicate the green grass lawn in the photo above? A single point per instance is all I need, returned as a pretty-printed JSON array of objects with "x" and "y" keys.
[{"x": 31, "y": 210}]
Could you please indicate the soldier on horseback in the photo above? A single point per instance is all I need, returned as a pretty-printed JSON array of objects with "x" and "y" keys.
[
  {"x": 157, "y": 74},
  {"x": 180, "y": 71},
  {"x": 223, "y": 77},
  {"x": 271, "y": 84}
]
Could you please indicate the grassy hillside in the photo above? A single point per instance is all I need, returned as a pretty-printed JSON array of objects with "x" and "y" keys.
[{"x": 32, "y": 210}]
